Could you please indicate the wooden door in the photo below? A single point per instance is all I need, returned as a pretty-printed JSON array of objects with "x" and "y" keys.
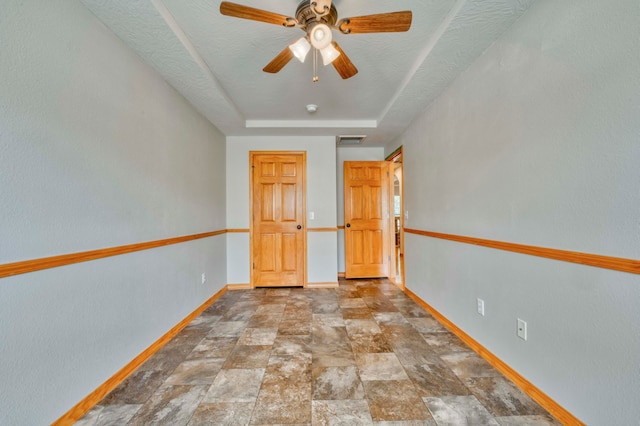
[
  {"x": 366, "y": 218},
  {"x": 278, "y": 234}
]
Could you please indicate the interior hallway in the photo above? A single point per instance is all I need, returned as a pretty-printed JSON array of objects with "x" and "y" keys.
[{"x": 364, "y": 353}]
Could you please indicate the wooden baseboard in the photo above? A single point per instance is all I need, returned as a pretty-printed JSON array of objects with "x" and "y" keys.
[
  {"x": 323, "y": 285},
  {"x": 341, "y": 274},
  {"x": 244, "y": 286},
  {"x": 555, "y": 409},
  {"x": 81, "y": 408}
]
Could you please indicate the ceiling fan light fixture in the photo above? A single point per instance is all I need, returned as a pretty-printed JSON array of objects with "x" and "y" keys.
[
  {"x": 320, "y": 36},
  {"x": 329, "y": 54},
  {"x": 300, "y": 48}
]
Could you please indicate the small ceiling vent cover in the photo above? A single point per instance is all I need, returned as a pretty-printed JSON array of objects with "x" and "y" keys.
[{"x": 350, "y": 140}]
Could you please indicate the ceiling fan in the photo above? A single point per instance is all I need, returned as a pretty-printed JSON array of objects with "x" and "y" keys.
[{"x": 317, "y": 18}]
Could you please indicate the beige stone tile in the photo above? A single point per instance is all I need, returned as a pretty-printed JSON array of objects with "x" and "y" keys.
[
  {"x": 271, "y": 309},
  {"x": 295, "y": 327},
  {"x": 333, "y": 383},
  {"x": 258, "y": 336},
  {"x": 227, "y": 329},
  {"x": 394, "y": 400},
  {"x": 328, "y": 320},
  {"x": 356, "y": 313},
  {"x": 373, "y": 343},
  {"x": 204, "y": 321},
  {"x": 436, "y": 380},
  {"x": 443, "y": 343},
  {"x": 291, "y": 345},
  {"x": 248, "y": 357},
  {"x": 380, "y": 366},
  {"x": 108, "y": 415},
  {"x": 545, "y": 420},
  {"x": 171, "y": 405},
  {"x": 427, "y": 325},
  {"x": 196, "y": 372},
  {"x": 268, "y": 412},
  {"x": 390, "y": 318},
  {"x": 459, "y": 410},
  {"x": 341, "y": 413},
  {"x": 213, "y": 347},
  {"x": 135, "y": 389},
  {"x": 501, "y": 397},
  {"x": 222, "y": 414},
  {"x": 352, "y": 303},
  {"x": 235, "y": 385},
  {"x": 358, "y": 327},
  {"x": 469, "y": 364},
  {"x": 264, "y": 321},
  {"x": 287, "y": 378}
]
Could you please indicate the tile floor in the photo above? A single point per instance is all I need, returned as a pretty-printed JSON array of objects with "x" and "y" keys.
[{"x": 362, "y": 354}]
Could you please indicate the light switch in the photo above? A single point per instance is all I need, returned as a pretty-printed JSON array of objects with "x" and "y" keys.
[{"x": 312, "y": 215}]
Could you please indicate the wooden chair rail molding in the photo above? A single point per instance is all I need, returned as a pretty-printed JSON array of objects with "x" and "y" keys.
[
  {"x": 33, "y": 265},
  {"x": 616, "y": 263},
  {"x": 555, "y": 409}
]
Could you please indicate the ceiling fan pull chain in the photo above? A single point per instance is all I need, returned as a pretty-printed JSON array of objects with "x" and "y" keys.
[{"x": 315, "y": 65}]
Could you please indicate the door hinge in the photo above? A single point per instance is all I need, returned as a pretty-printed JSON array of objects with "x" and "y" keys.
[
  {"x": 387, "y": 173},
  {"x": 254, "y": 265},
  {"x": 389, "y": 257}
]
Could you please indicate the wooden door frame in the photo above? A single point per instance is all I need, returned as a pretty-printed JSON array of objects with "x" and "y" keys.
[
  {"x": 392, "y": 157},
  {"x": 252, "y": 154}
]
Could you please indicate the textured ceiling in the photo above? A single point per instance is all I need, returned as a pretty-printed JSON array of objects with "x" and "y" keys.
[{"x": 216, "y": 62}]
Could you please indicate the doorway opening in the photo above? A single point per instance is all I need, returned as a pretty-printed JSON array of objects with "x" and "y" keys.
[{"x": 398, "y": 208}]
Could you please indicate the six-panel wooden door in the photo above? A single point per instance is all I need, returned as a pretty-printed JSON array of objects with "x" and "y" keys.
[
  {"x": 366, "y": 218},
  {"x": 278, "y": 234}
]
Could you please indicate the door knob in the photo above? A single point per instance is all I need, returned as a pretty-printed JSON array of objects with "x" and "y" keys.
[
  {"x": 348, "y": 225},
  {"x": 299, "y": 227}
]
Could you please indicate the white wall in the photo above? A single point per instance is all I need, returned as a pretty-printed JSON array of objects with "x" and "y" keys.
[
  {"x": 96, "y": 151},
  {"x": 538, "y": 143},
  {"x": 321, "y": 199},
  {"x": 349, "y": 154}
]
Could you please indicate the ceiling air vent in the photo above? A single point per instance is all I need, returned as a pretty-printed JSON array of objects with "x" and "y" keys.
[{"x": 350, "y": 140}]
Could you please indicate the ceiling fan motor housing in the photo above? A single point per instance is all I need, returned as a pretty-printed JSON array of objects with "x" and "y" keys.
[{"x": 307, "y": 18}]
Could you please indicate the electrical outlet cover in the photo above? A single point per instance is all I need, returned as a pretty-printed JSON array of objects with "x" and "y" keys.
[{"x": 522, "y": 329}]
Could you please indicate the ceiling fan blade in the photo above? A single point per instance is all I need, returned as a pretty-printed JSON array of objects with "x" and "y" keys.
[
  {"x": 246, "y": 12},
  {"x": 343, "y": 64},
  {"x": 279, "y": 61},
  {"x": 380, "y": 23}
]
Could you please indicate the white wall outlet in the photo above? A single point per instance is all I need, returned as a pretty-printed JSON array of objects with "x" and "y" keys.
[
  {"x": 312, "y": 215},
  {"x": 481, "y": 307},
  {"x": 522, "y": 329},
  {"x": 204, "y": 278}
]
